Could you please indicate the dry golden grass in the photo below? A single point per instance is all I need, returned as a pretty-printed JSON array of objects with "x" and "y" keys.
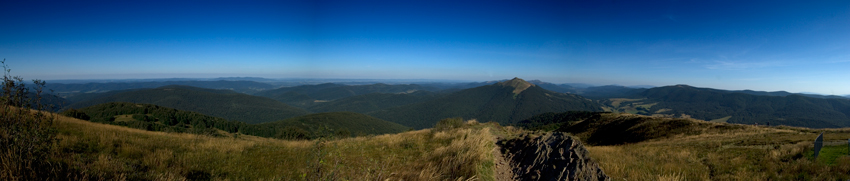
[
  {"x": 750, "y": 153},
  {"x": 111, "y": 152},
  {"x": 705, "y": 151}
]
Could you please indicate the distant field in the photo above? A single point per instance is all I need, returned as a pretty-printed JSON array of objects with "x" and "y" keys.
[
  {"x": 721, "y": 120},
  {"x": 616, "y": 101}
]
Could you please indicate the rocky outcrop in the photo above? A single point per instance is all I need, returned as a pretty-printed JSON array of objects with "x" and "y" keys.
[{"x": 553, "y": 156}]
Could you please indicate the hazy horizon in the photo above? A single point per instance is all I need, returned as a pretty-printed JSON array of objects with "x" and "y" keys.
[{"x": 793, "y": 46}]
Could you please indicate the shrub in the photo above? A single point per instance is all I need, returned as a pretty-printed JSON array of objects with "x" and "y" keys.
[{"x": 26, "y": 134}]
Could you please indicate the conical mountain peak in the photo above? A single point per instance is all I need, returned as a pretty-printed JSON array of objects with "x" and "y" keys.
[{"x": 518, "y": 84}]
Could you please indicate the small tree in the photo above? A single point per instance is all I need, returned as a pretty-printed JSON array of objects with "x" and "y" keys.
[{"x": 26, "y": 133}]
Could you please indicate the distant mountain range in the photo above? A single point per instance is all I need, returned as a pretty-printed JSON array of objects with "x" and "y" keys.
[
  {"x": 242, "y": 86},
  {"x": 219, "y": 103},
  {"x": 747, "y": 107},
  {"x": 422, "y": 105}
]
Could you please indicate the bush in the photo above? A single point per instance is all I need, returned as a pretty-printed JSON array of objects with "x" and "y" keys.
[{"x": 26, "y": 132}]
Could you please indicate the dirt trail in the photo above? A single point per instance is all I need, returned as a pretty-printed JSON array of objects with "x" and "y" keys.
[
  {"x": 553, "y": 156},
  {"x": 504, "y": 171}
]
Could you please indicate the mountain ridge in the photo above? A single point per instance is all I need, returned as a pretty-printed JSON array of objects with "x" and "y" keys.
[
  {"x": 219, "y": 103},
  {"x": 495, "y": 102},
  {"x": 709, "y": 104}
]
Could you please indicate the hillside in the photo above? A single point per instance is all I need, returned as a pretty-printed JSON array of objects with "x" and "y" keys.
[
  {"x": 306, "y": 96},
  {"x": 157, "y": 118},
  {"x": 219, "y": 103},
  {"x": 593, "y": 92},
  {"x": 374, "y": 101},
  {"x": 710, "y": 104},
  {"x": 339, "y": 123},
  {"x": 610, "y": 91},
  {"x": 635, "y": 147},
  {"x": 784, "y": 93},
  {"x": 563, "y": 88},
  {"x": 241, "y": 86},
  {"x": 504, "y": 102},
  {"x": 693, "y": 150},
  {"x": 93, "y": 151}
]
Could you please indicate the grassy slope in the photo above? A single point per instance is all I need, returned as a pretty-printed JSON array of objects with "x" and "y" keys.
[
  {"x": 218, "y": 103},
  {"x": 355, "y": 123},
  {"x": 102, "y": 151},
  {"x": 690, "y": 150},
  {"x": 632, "y": 147}
]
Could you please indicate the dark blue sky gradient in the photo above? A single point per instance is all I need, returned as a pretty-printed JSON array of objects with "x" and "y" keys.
[{"x": 797, "y": 46}]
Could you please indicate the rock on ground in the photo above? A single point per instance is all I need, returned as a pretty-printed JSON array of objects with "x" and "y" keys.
[{"x": 553, "y": 156}]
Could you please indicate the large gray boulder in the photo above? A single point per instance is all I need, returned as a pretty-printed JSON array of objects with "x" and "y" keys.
[{"x": 553, "y": 156}]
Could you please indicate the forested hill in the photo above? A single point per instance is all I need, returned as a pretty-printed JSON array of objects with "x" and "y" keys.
[
  {"x": 504, "y": 102},
  {"x": 218, "y": 103},
  {"x": 709, "y": 104},
  {"x": 339, "y": 123},
  {"x": 307, "y": 95},
  {"x": 373, "y": 102},
  {"x": 157, "y": 118},
  {"x": 238, "y": 86}
]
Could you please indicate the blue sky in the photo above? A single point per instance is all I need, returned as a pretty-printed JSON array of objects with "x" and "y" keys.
[{"x": 797, "y": 46}]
